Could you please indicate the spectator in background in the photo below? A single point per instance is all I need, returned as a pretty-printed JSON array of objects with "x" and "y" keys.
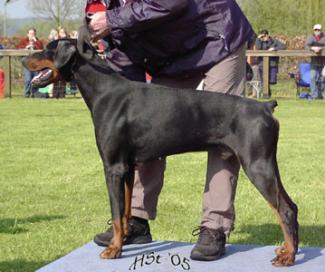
[
  {"x": 31, "y": 42},
  {"x": 54, "y": 35},
  {"x": 2, "y": 77},
  {"x": 265, "y": 42},
  {"x": 1, "y": 47},
  {"x": 62, "y": 33},
  {"x": 74, "y": 34},
  {"x": 72, "y": 89},
  {"x": 316, "y": 43},
  {"x": 59, "y": 87}
]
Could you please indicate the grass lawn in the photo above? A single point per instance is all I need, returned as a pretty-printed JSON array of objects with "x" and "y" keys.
[{"x": 53, "y": 197}]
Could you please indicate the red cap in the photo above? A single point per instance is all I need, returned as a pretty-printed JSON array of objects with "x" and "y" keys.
[{"x": 95, "y": 7}]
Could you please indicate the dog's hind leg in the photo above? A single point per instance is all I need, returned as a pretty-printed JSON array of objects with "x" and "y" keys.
[
  {"x": 128, "y": 188},
  {"x": 264, "y": 174}
]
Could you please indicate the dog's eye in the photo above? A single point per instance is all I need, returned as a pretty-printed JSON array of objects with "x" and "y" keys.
[{"x": 49, "y": 54}]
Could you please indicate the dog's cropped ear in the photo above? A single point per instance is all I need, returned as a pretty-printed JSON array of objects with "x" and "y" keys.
[
  {"x": 54, "y": 44},
  {"x": 84, "y": 45},
  {"x": 65, "y": 50}
]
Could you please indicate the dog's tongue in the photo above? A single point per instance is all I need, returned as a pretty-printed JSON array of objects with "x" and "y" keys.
[{"x": 42, "y": 76}]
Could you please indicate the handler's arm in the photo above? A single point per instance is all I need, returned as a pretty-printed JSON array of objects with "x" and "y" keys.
[
  {"x": 279, "y": 45},
  {"x": 135, "y": 16},
  {"x": 309, "y": 43},
  {"x": 141, "y": 15},
  {"x": 258, "y": 44}
]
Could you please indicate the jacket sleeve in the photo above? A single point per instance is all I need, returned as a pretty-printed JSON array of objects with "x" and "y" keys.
[
  {"x": 140, "y": 15},
  {"x": 38, "y": 44},
  {"x": 278, "y": 45},
  {"x": 258, "y": 44},
  {"x": 22, "y": 44},
  {"x": 309, "y": 43}
]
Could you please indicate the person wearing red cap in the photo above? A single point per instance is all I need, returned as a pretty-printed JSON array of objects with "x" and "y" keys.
[
  {"x": 95, "y": 6},
  {"x": 179, "y": 43}
]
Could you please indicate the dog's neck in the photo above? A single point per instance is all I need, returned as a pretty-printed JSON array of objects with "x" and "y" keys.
[
  {"x": 98, "y": 74},
  {"x": 88, "y": 65}
]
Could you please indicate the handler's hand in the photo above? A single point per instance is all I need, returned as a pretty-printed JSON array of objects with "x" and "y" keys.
[{"x": 98, "y": 25}]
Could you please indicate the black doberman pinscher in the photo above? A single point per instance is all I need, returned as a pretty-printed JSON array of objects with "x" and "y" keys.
[{"x": 135, "y": 122}]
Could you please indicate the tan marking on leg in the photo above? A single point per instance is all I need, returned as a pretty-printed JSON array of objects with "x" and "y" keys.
[
  {"x": 287, "y": 252},
  {"x": 114, "y": 250}
]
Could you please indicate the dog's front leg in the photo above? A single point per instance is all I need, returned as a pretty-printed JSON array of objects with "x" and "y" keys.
[{"x": 115, "y": 184}]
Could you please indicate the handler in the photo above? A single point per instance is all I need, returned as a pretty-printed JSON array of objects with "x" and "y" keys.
[{"x": 179, "y": 43}]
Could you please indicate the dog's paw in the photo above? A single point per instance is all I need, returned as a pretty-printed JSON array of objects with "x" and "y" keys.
[
  {"x": 283, "y": 257},
  {"x": 111, "y": 252}
]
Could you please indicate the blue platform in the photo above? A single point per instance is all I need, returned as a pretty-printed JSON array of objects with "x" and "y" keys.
[{"x": 174, "y": 256}]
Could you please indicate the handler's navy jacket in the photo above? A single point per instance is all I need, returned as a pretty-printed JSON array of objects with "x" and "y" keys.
[{"x": 180, "y": 36}]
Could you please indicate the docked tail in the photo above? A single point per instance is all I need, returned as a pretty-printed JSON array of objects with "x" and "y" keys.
[{"x": 271, "y": 105}]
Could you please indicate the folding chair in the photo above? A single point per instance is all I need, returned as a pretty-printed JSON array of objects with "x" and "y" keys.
[
  {"x": 302, "y": 77},
  {"x": 255, "y": 84}
]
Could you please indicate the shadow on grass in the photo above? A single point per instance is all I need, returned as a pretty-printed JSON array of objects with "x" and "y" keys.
[
  {"x": 13, "y": 225},
  {"x": 271, "y": 234},
  {"x": 21, "y": 265}
]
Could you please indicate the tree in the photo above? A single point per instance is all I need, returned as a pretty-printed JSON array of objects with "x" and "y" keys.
[
  {"x": 290, "y": 17},
  {"x": 2, "y": 19},
  {"x": 59, "y": 11}
]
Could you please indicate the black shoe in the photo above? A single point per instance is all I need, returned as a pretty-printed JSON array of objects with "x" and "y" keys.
[
  {"x": 210, "y": 245},
  {"x": 138, "y": 233}
]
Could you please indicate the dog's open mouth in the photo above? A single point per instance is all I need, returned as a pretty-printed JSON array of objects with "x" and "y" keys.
[{"x": 43, "y": 78}]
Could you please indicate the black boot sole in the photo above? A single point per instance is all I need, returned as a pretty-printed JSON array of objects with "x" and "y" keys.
[{"x": 199, "y": 256}]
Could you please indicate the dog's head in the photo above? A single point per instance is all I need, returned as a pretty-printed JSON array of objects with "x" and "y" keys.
[
  {"x": 54, "y": 63},
  {"x": 57, "y": 60}
]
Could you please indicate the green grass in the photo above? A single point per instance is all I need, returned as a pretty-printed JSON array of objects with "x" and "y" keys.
[{"x": 53, "y": 197}]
